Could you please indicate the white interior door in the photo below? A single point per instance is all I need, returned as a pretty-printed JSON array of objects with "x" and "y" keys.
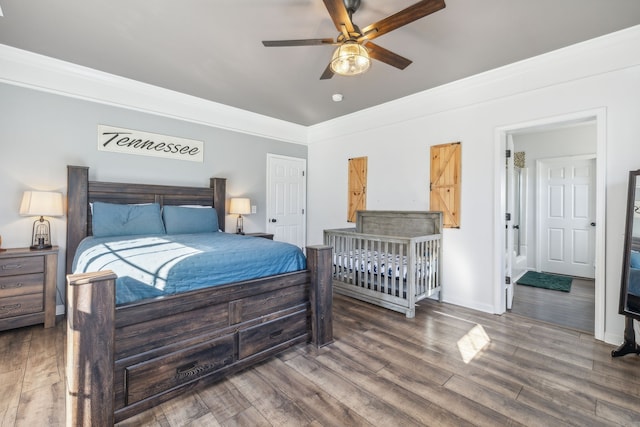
[
  {"x": 286, "y": 199},
  {"x": 566, "y": 215}
]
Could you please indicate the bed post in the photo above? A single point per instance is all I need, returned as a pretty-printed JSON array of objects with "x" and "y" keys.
[
  {"x": 77, "y": 202},
  {"x": 319, "y": 263},
  {"x": 90, "y": 349},
  {"x": 219, "y": 186}
]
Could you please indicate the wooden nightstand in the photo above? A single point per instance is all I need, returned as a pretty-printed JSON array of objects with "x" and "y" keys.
[
  {"x": 263, "y": 235},
  {"x": 28, "y": 287}
]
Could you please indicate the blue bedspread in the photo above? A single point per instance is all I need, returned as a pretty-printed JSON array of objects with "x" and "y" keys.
[{"x": 165, "y": 264}]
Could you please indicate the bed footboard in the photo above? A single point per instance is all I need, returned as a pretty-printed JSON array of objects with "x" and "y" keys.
[
  {"x": 393, "y": 272},
  {"x": 122, "y": 361}
]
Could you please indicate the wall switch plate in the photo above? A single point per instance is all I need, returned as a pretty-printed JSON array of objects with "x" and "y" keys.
[{"x": 253, "y": 209}]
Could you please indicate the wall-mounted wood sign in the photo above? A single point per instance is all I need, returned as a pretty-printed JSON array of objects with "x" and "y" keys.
[
  {"x": 445, "y": 182},
  {"x": 120, "y": 140}
]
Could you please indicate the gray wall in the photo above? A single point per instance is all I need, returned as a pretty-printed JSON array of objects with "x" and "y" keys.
[{"x": 42, "y": 133}]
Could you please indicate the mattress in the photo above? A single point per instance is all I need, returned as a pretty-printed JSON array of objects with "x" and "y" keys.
[
  {"x": 165, "y": 264},
  {"x": 373, "y": 262}
]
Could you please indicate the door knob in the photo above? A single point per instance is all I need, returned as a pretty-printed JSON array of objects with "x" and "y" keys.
[
  {"x": 274, "y": 220},
  {"x": 593, "y": 224}
]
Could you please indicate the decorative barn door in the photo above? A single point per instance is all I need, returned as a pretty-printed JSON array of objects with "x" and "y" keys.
[
  {"x": 445, "y": 182},
  {"x": 357, "y": 199}
]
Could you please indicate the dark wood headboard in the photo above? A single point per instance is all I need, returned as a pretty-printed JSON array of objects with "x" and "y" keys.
[{"x": 81, "y": 192}]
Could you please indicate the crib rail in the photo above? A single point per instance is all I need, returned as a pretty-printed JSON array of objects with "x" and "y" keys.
[{"x": 395, "y": 272}]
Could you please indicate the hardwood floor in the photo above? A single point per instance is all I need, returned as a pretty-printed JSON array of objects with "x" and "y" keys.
[
  {"x": 574, "y": 309},
  {"x": 447, "y": 366}
]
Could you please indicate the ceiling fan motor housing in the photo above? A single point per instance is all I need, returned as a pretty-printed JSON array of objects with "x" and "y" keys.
[{"x": 351, "y": 6}]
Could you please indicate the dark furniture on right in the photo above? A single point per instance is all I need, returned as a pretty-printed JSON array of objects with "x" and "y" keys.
[{"x": 630, "y": 280}]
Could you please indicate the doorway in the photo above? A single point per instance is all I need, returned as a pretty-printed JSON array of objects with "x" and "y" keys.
[
  {"x": 591, "y": 122},
  {"x": 563, "y": 232}
]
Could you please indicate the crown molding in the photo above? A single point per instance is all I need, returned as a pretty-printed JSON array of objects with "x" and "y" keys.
[
  {"x": 604, "y": 54},
  {"x": 615, "y": 51},
  {"x": 22, "y": 68}
]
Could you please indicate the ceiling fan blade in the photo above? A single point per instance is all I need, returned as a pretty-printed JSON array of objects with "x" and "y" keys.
[
  {"x": 327, "y": 73},
  {"x": 340, "y": 16},
  {"x": 302, "y": 42},
  {"x": 386, "y": 56},
  {"x": 404, "y": 17}
]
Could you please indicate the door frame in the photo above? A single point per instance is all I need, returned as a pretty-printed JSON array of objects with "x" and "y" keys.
[{"x": 500, "y": 144}]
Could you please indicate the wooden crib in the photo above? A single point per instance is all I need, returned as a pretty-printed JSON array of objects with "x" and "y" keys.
[{"x": 391, "y": 258}]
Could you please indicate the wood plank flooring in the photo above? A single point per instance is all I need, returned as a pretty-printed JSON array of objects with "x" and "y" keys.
[
  {"x": 574, "y": 309},
  {"x": 449, "y": 366}
]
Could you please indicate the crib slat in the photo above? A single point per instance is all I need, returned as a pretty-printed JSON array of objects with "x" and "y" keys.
[
  {"x": 379, "y": 277},
  {"x": 396, "y": 265}
]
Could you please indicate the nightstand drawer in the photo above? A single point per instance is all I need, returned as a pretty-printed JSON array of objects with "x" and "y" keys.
[
  {"x": 21, "y": 265},
  {"x": 11, "y": 286},
  {"x": 24, "y": 304}
]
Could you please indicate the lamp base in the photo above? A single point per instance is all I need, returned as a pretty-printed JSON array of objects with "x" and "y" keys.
[
  {"x": 239, "y": 225},
  {"x": 41, "y": 235}
]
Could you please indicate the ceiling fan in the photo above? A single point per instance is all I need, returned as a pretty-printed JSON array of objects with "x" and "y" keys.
[{"x": 355, "y": 48}]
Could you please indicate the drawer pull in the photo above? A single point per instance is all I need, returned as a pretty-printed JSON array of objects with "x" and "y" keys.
[
  {"x": 275, "y": 333},
  {"x": 11, "y": 266},
  {"x": 11, "y": 285},
  {"x": 10, "y": 307},
  {"x": 192, "y": 369},
  {"x": 185, "y": 369}
]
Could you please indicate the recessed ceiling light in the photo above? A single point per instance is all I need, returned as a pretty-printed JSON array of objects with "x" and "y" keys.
[{"x": 337, "y": 97}]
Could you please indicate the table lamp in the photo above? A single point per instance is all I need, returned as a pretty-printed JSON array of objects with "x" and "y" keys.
[
  {"x": 41, "y": 203},
  {"x": 240, "y": 206}
]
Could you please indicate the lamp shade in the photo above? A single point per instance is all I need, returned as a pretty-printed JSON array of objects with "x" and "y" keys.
[
  {"x": 240, "y": 205},
  {"x": 41, "y": 203},
  {"x": 350, "y": 59}
]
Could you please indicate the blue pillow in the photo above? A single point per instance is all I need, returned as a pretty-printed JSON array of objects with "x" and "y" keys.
[
  {"x": 635, "y": 259},
  {"x": 189, "y": 220},
  {"x": 110, "y": 219}
]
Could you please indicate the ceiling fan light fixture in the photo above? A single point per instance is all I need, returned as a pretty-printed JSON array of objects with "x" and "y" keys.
[{"x": 350, "y": 59}]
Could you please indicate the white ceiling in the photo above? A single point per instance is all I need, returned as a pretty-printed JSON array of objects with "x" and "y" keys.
[{"x": 212, "y": 48}]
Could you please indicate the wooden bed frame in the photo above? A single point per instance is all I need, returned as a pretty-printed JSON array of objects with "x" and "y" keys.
[
  {"x": 122, "y": 360},
  {"x": 412, "y": 235}
]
